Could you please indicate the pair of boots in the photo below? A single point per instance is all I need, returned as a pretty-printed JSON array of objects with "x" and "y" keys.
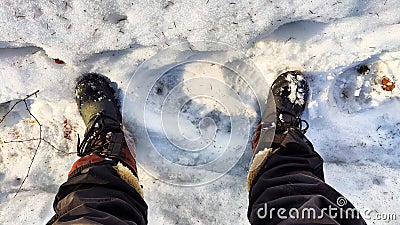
[{"x": 104, "y": 140}]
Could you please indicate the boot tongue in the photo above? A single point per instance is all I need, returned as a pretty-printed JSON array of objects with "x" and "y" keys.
[
  {"x": 103, "y": 123},
  {"x": 91, "y": 109}
]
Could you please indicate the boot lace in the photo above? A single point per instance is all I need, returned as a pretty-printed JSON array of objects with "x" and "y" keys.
[
  {"x": 97, "y": 138},
  {"x": 295, "y": 122}
]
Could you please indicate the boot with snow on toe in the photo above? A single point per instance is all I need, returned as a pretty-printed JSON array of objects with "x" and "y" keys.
[{"x": 104, "y": 141}]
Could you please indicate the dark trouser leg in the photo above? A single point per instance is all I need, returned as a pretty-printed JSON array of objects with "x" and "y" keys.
[
  {"x": 292, "y": 181},
  {"x": 99, "y": 195}
]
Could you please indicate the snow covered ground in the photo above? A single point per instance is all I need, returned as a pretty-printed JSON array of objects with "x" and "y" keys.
[{"x": 353, "y": 115}]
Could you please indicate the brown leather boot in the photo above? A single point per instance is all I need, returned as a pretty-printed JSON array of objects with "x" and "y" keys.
[
  {"x": 290, "y": 92},
  {"x": 104, "y": 141}
]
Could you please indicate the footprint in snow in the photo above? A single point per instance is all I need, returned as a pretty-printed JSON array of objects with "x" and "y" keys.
[{"x": 367, "y": 85}]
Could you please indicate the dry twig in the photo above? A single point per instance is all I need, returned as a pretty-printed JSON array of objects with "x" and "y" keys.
[
  {"x": 24, "y": 100},
  {"x": 37, "y": 147},
  {"x": 16, "y": 103}
]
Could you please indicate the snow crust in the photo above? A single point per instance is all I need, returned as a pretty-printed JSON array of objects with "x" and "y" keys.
[
  {"x": 296, "y": 95},
  {"x": 328, "y": 40}
]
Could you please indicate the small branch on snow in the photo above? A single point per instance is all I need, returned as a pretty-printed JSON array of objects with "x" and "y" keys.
[
  {"x": 15, "y": 104},
  {"x": 338, "y": 2},
  {"x": 95, "y": 30},
  {"x": 18, "y": 16},
  {"x": 40, "y": 138},
  {"x": 375, "y": 14},
  {"x": 36, "y": 150},
  {"x": 168, "y": 4},
  {"x": 44, "y": 140},
  {"x": 67, "y": 5},
  {"x": 24, "y": 100}
]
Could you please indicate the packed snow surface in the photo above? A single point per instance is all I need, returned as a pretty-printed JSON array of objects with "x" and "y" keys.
[{"x": 349, "y": 52}]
